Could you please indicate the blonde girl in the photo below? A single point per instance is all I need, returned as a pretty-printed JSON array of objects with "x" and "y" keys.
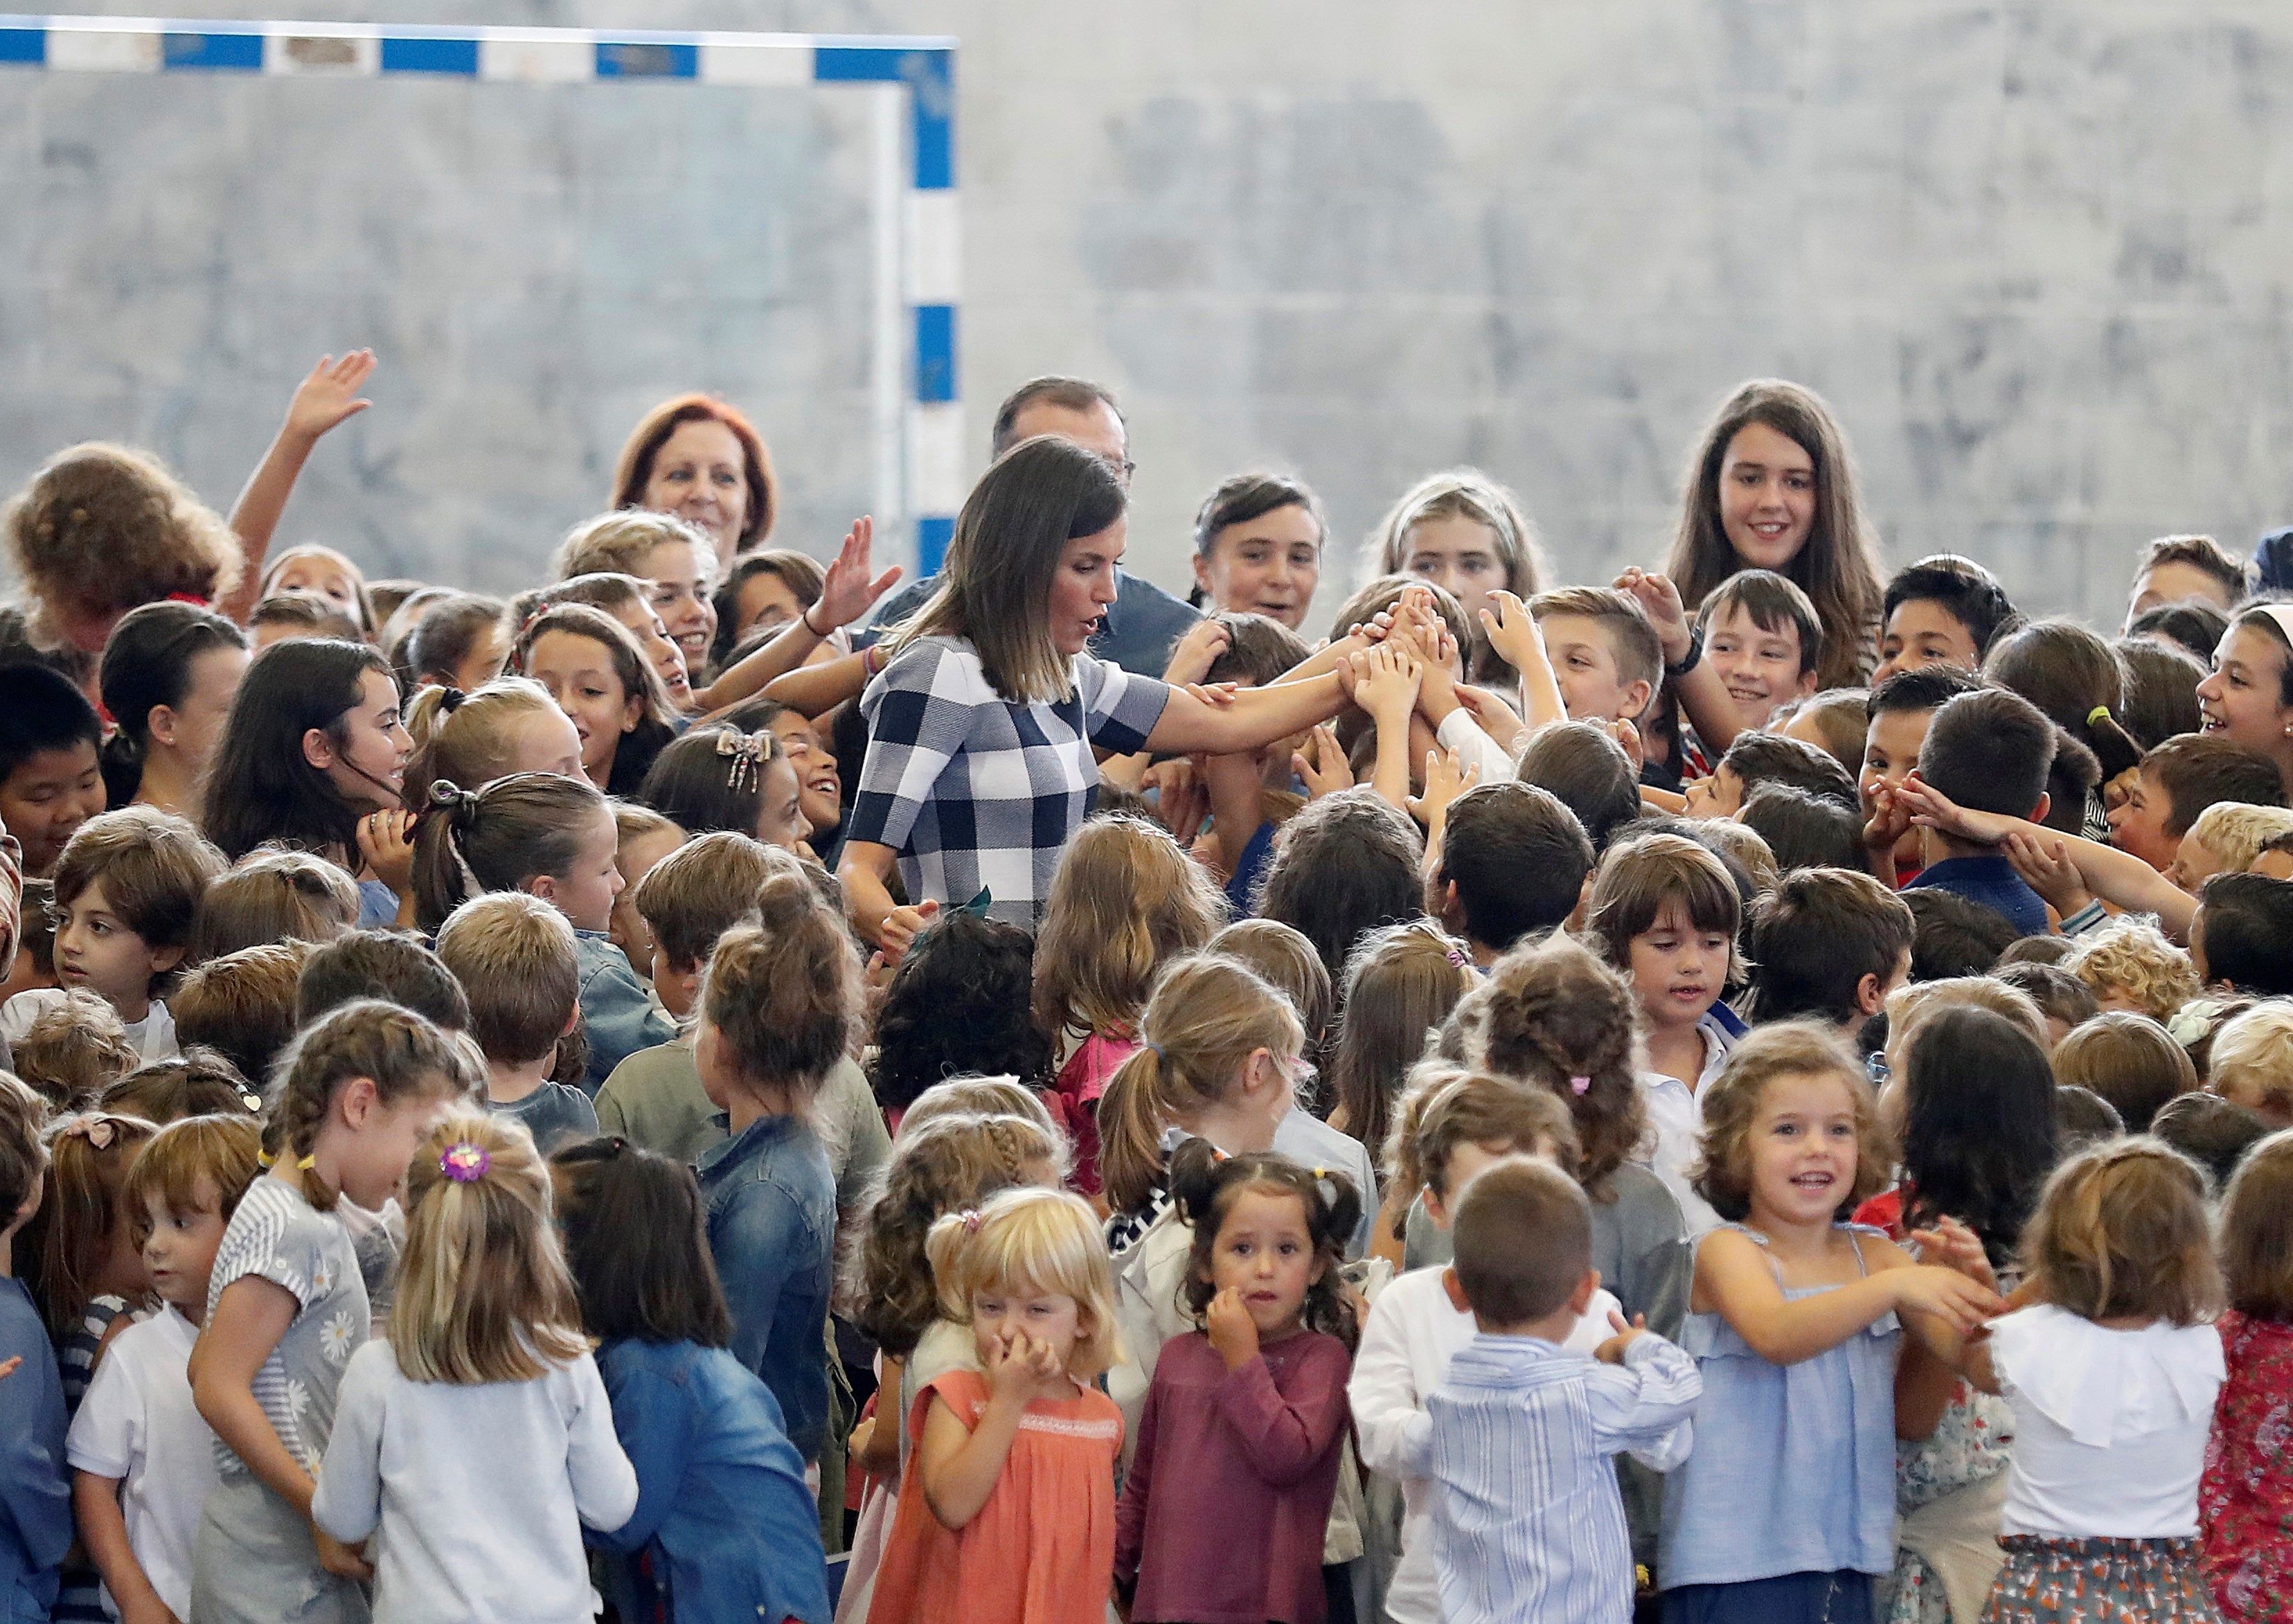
[
  {"x": 286, "y": 1306},
  {"x": 1467, "y": 534},
  {"x": 469, "y": 740},
  {"x": 1009, "y": 1496},
  {"x": 1771, "y": 486},
  {"x": 593, "y": 670},
  {"x": 1787, "y": 1505},
  {"x": 1126, "y": 901},
  {"x": 485, "y": 1352},
  {"x": 2113, "y": 1370}
]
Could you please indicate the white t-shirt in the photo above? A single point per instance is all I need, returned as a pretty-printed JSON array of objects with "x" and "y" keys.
[
  {"x": 2109, "y": 1425},
  {"x": 1413, "y": 1333},
  {"x": 154, "y": 1036},
  {"x": 138, "y": 1423},
  {"x": 474, "y": 1496},
  {"x": 1675, "y": 1144}
]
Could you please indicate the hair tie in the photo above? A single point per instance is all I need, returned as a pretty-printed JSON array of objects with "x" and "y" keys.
[
  {"x": 464, "y": 1163},
  {"x": 263, "y": 1159},
  {"x": 2099, "y": 713},
  {"x": 1458, "y": 957},
  {"x": 451, "y": 699},
  {"x": 970, "y": 1216},
  {"x": 1162, "y": 1055},
  {"x": 1577, "y": 1086}
]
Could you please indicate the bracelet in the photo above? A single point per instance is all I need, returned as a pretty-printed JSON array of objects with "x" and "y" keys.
[
  {"x": 2085, "y": 919},
  {"x": 1695, "y": 654},
  {"x": 807, "y": 618}
]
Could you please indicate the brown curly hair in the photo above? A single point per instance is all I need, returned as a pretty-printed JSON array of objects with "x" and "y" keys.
[
  {"x": 1554, "y": 1014},
  {"x": 1786, "y": 1049},
  {"x": 102, "y": 529}
]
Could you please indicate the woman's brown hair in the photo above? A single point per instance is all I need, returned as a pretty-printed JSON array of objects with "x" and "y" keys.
[
  {"x": 101, "y": 528},
  {"x": 1838, "y": 567},
  {"x": 1554, "y": 1015},
  {"x": 1125, "y": 900},
  {"x": 2121, "y": 1233},
  {"x": 1207, "y": 1017},
  {"x": 2257, "y": 1230},
  {"x": 1401, "y": 983},
  {"x": 633, "y": 471},
  {"x": 994, "y": 588},
  {"x": 483, "y": 1295},
  {"x": 783, "y": 996},
  {"x": 1731, "y": 1108}
]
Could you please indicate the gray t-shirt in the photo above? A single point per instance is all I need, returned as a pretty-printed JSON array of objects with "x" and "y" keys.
[
  {"x": 278, "y": 1236},
  {"x": 555, "y": 1113}
]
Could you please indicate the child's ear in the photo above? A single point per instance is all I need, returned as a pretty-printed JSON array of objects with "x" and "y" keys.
[
  {"x": 1581, "y": 1299},
  {"x": 165, "y": 958},
  {"x": 318, "y": 749},
  {"x": 2046, "y": 805},
  {"x": 1456, "y": 1290},
  {"x": 160, "y": 723},
  {"x": 543, "y": 885},
  {"x": 572, "y": 1019},
  {"x": 357, "y": 1100},
  {"x": 1636, "y": 699},
  {"x": 1806, "y": 688},
  {"x": 1870, "y": 996}
]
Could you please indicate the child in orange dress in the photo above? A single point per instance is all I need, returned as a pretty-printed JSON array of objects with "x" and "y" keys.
[{"x": 1007, "y": 1507}]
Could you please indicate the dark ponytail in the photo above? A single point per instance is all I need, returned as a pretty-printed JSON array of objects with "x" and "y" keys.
[
  {"x": 471, "y": 841},
  {"x": 147, "y": 663}
]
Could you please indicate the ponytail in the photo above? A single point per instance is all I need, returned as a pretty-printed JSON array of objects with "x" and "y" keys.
[
  {"x": 784, "y": 995},
  {"x": 401, "y": 1053},
  {"x": 495, "y": 838}
]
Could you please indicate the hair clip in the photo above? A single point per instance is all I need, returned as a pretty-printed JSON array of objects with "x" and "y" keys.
[
  {"x": 970, "y": 1216},
  {"x": 99, "y": 1132},
  {"x": 252, "y": 1100},
  {"x": 1577, "y": 1086},
  {"x": 744, "y": 753},
  {"x": 464, "y": 1163},
  {"x": 1458, "y": 956}
]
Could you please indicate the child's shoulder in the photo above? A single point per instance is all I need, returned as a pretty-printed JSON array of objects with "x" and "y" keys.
[{"x": 21, "y": 1328}]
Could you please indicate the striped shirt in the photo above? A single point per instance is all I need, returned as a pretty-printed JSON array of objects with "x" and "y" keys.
[{"x": 1527, "y": 1520}]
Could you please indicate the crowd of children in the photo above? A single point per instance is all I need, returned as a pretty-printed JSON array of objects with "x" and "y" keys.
[{"x": 716, "y": 1090}]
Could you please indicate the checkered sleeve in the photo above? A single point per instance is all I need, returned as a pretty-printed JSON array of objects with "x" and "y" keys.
[
  {"x": 920, "y": 710},
  {"x": 1120, "y": 706}
]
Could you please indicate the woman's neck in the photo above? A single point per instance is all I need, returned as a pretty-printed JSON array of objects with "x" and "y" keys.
[
  {"x": 1236, "y": 1130},
  {"x": 169, "y": 783}
]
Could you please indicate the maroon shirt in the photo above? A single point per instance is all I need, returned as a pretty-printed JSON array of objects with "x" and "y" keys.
[{"x": 1222, "y": 1517}]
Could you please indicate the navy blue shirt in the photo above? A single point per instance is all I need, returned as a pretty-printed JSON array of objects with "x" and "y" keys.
[
  {"x": 771, "y": 1228},
  {"x": 1140, "y": 628},
  {"x": 1991, "y": 881},
  {"x": 723, "y": 1513}
]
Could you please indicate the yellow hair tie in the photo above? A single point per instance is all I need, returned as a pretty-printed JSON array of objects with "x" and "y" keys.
[
  {"x": 2099, "y": 713},
  {"x": 306, "y": 1163},
  {"x": 263, "y": 1159}
]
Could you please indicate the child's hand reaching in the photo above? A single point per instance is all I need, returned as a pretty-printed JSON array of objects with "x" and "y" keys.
[
  {"x": 1659, "y": 600},
  {"x": 851, "y": 588},
  {"x": 347, "y": 1560},
  {"x": 1513, "y": 631},
  {"x": 1232, "y": 1333},
  {"x": 2046, "y": 867},
  {"x": 1385, "y": 682},
  {"x": 1945, "y": 1295},
  {"x": 1321, "y": 764},
  {"x": 328, "y": 397},
  {"x": 385, "y": 841},
  {"x": 1890, "y": 820},
  {"x": 1612, "y": 1351},
  {"x": 1953, "y": 1245},
  {"x": 1445, "y": 781},
  {"x": 1196, "y": 651}
]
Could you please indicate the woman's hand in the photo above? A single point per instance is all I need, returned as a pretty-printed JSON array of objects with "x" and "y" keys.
[
  {"x": 2046, "y": 867},
  {"x": 1233, "y": 1334},
  {"x": 328, "y": 397},
  {"x": 1321, "y": 764},
  {"x": 850, "y": 591},
  {"x": 1195, "y": 653},
  {"x": 1659, "y": 600},
  {"x": 386, "y": 842}
]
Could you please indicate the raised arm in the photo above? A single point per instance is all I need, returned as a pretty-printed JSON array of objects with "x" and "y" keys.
[
  {"x": 1703, "y": 696},
  {"x": 327, "y": 398},
  {"x": 852, "y": 590},
  {"x": 1513, "y": 632},
  {"x": 2117, "y": 877},
  {"x": 1252, "y": 718}
]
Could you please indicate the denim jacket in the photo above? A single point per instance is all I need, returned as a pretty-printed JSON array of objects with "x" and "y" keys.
[
  {"x": 771, "y": 1228},
  {"x": 619, "y": 1016},
  {"x": 35, "y": 1517},
  {"x": 723, "y": 1513}
]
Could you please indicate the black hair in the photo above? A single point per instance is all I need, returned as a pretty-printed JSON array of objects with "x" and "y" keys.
[
  {"x": 1591, "y": 773},
  {"x": 2244, "y": 922},
  {"x": 40, "y": 710},
  {"x": 1968, "y": 592},
  {"x": 1804, "y": 830},
  {"x": 1203, "y": 1183},
  {"x": 1953, "y": 935},
  {"x": 1517, "y": 857},
  {"x": 380, "y": 964},
  {"x": 1979, "y": 1125},
  {"x": 1814, "y": 937},
  {"x": 2083, "y": 1117},
  {"x": 1990, "y": 751},
  {"x": 441, "y": 638},
  {"x": 1925, "y": 687},
  {"x": 147, "y": 663},
  {"x": 712, "y": 778},
  {"x": 1245, "y": 497},
  {"x": 957, "y": 1007},
  {"x": 261, "y": 787},
  {"x": 637, "y": 1246},
  {"x": 2196, "y": 627},
  {"x": 1758, "y": 758},
  {"x": 1344, "y": 865}
]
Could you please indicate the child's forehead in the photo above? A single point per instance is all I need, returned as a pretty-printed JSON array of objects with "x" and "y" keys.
[
  {"x": 76, "y": 759},
  {"x": 1736, "y": 620},
  {"x": 1803, "y": 1093},
  {"x": 1568, "y": 626}
]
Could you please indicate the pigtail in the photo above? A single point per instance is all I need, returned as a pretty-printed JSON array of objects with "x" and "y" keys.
[
  {"x": 442, "y": 880},
  {"x": 1195, "y": 1181},
  {"x": 1131, "y": 1132}
]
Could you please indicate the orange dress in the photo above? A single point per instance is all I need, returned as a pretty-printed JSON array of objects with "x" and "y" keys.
[{"x": 1042, "y": 1550}]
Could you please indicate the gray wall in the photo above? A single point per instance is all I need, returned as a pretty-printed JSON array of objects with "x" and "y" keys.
[{"x": 2038, "y": 255}]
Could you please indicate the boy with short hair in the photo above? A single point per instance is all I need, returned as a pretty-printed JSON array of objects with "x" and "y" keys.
[
  {"x": 1603, "y": 651},
  {"x": 242, "y": 1005},
  {"x": 380, "y": 964},
  {"x": 2239, "y": 937},
  {"x": 1757, "y": 759},
  {"x": 1900, "y": 708},
  {"x": 2180, "y": 568},
  {"x": 36, "y": 1519},
  {"x": 515, "y": 957},
  {"x": 1990, "y": 751},
  {"x": 1763, "y": 641},
  {"x": 2181, "y": 778},
  {"x": 1510, "y": 862},
  {"x": 51, "y": 781},
  {"x": 1827, "y": 943},
  {"x": 128, "y": 887},
  {"x": 1944, "y": 610},
  {"x": 1546, "y": 1541}
]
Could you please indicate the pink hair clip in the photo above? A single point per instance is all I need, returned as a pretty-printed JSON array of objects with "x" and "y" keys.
[
  {"x": 1577, "y": 1086},
  {"x": 970, "y": 1222},
  {"x": 465, "y": 1164},
  {"x": 1457, "y": 956}
]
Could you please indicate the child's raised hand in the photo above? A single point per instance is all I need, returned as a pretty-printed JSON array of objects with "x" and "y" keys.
[
  {"x": 1513, "y": 631},
  {"x": 1196, "y": 651},
  {"x": 347, "y": 1560},
  {"x": 1445, "y": 781},
  {"x": 1945, "y": 1294},
  {"x": 386, "y": 842},
  {"x": 2046, "y": 867},
  {"x": 1612, "y": 1351},
  {"x": 1628, "y": 740},
  {"x": 1494, "y": 717},
  {"x": 1890, "y": 820},
  {"x": 1321, "y": 764},
  {"x": 1659, "y": 600},
  {"x": 851, "y": 590},
  {"x": 328, "y": 397},
  {"x": 1232, "y": 1333},
  {"x": 1386, "y": 680}
]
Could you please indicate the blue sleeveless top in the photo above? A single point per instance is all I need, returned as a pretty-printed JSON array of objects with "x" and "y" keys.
[{"x": 1793, "y": 1467}]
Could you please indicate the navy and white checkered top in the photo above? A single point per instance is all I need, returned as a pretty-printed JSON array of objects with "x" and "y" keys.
[{"x": 973, "y": 791}]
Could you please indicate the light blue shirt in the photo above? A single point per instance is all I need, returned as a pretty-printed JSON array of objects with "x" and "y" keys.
[{"x": 1529, "y": 1524}]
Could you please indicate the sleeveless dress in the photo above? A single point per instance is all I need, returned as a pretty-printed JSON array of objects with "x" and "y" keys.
[
  {"x": 1794, "y": 1469},
  {"x": 1042, "y": 1550}
]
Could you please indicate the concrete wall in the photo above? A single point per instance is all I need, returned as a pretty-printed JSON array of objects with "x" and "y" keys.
[{"x": 2038, "y": 255}]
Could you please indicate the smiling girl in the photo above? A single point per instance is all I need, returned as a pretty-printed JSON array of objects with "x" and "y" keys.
[
  {"x": 1772, "y": 487},
  {"x": 2250, "y": 696},
  {"x": 1258, "y": 548},
  {"x": 588, "y": 663},
  {"x": 676, "y": 560}
]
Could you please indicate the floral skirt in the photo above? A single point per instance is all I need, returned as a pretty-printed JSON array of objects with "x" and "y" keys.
[{"x": 2100, "y": 1581}]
